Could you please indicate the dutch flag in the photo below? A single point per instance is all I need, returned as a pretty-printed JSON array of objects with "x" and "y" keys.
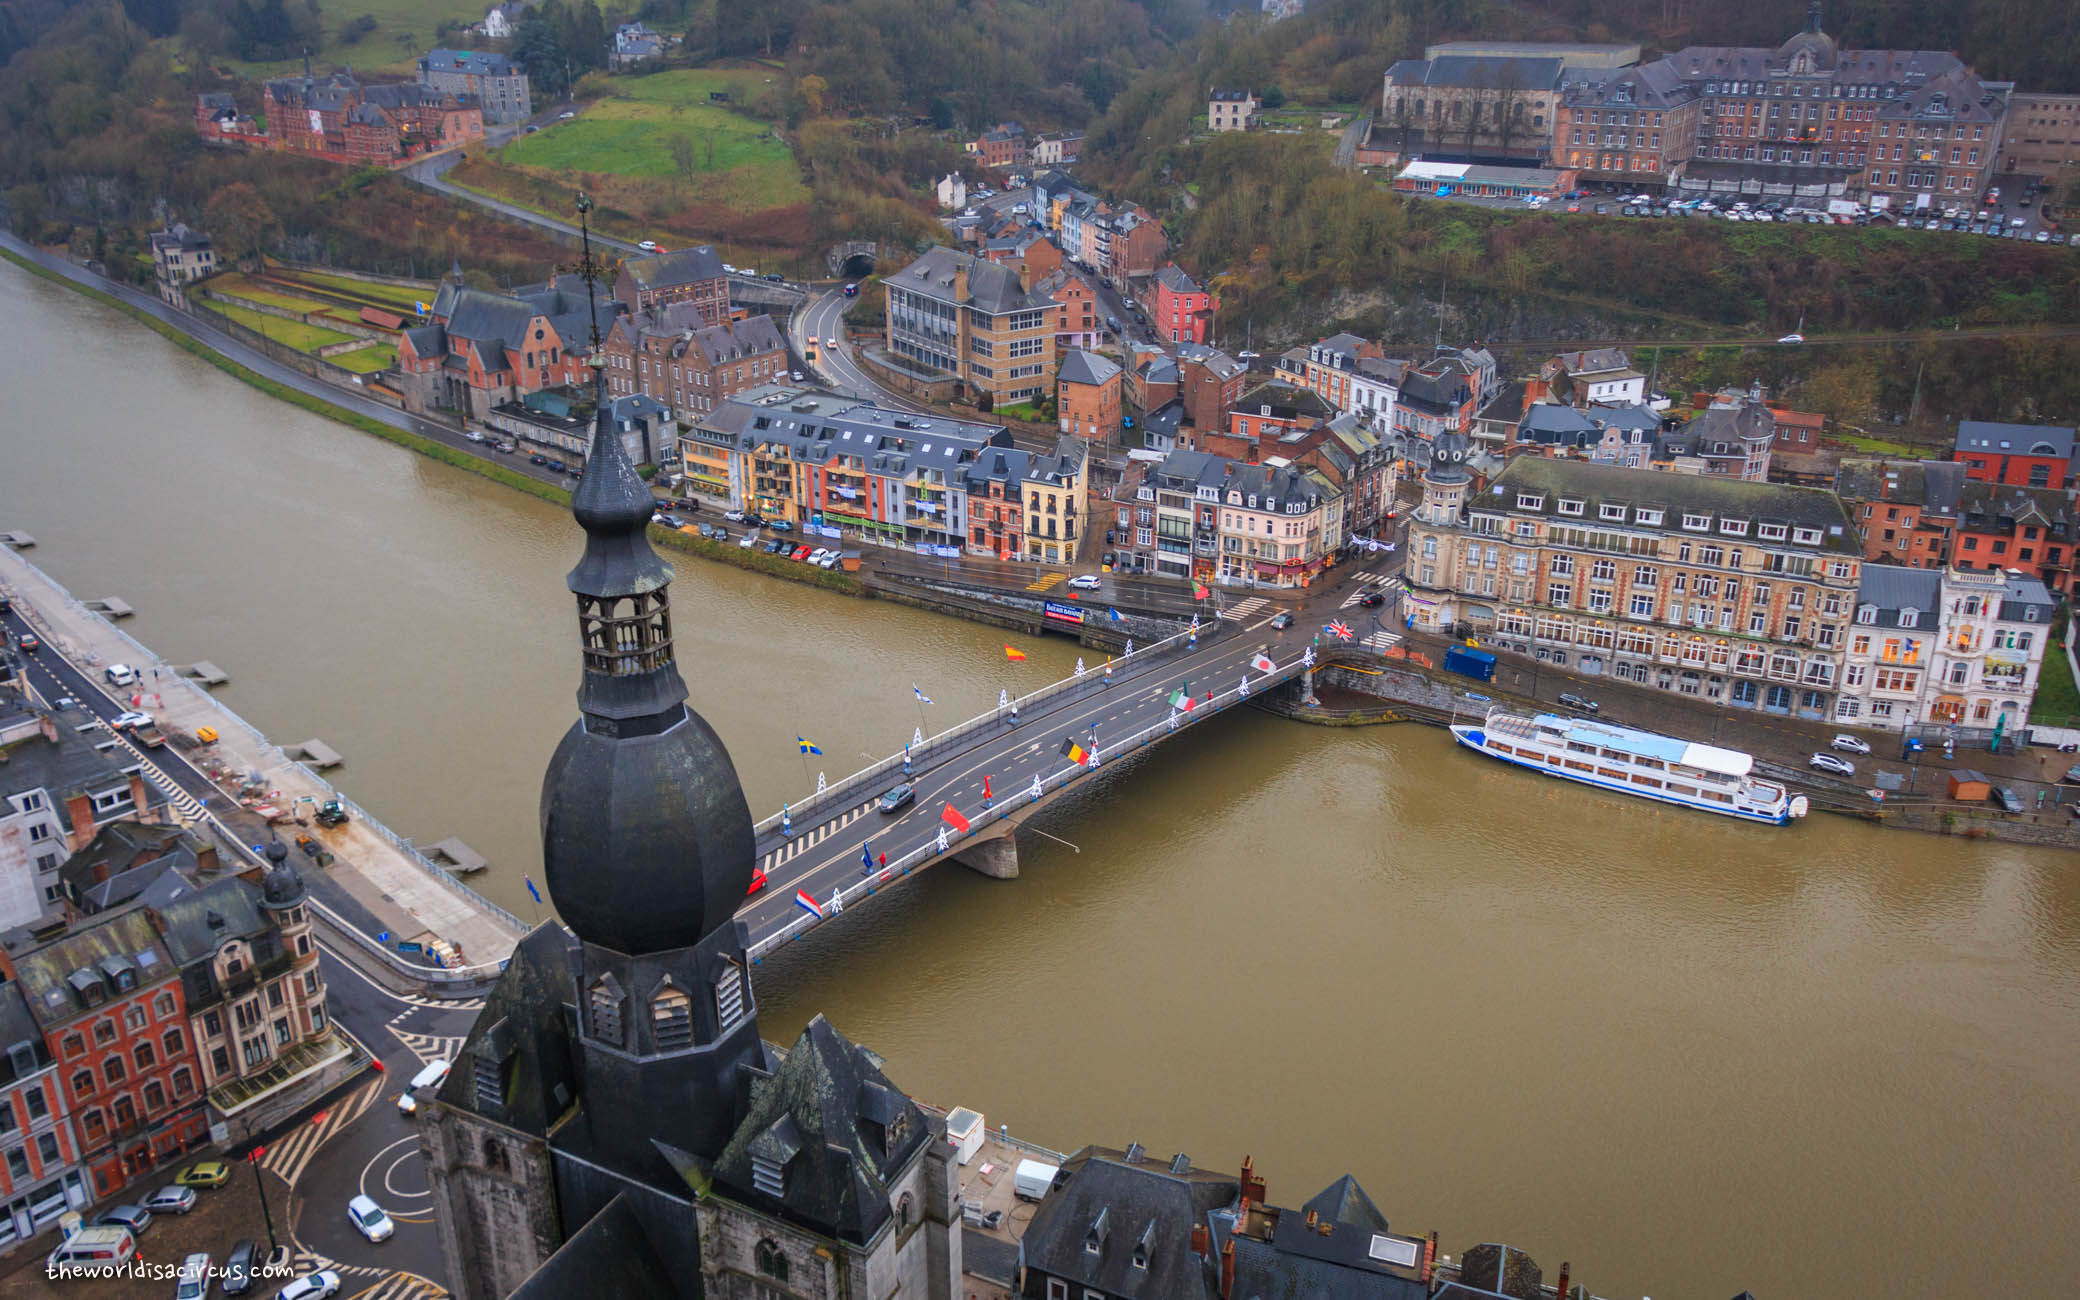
[{"x": 808, "y": 904}]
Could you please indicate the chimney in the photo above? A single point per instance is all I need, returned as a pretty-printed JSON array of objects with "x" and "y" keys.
[
  {"x": 1252, "y": 1186},
  {"x": 960, "y": 282},
  {"x": 1565, "y": 1269},
  {"x": 1199, "y": 1241},
  {"x": 1310, "y": 1218},
  {"x": 1429, "y": 1257},
  {"x": 1227, "y": 1268}
]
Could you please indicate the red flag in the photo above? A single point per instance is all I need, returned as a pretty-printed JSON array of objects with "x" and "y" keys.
[
  {"x": 952, "y": 817},
  {"x": 985, "y": 788},
  {"x": 1014, "y": 654},
  {"x": 1199, "y": 591}
]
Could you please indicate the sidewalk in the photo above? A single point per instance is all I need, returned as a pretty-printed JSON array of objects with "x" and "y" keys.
[{"x": 388, "y": 885}]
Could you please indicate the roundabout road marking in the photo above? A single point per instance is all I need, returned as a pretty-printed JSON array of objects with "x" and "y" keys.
[{"x": 390, "y": 1169}]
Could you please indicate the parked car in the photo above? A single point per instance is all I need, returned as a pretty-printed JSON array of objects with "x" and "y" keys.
[
  {"x": 2009, "y": 801},
  {"x": 194, "y": 1282},
  {"x": 795, "y": 375},
  {"x": 734, "y": 516},
  {"x": 369, "y": 1219},
  {"x": 566, "y": 115},
  {"x": 780, "y": 526},
  {"x": 829, "y": 560},
  {"x": 779, "y": 546},
  {"x": 318, "y": 1286},
  {"x": 898, "y": 798},
  {"x": 1829, "y": 763},
  {"x": 750, "y": 540},
  {"x": 1570, "y": 700},
  {"x": 171, "y": 1199},
  {"x": 136, "y": 1218},
  {"x": 238, "y": 1267},
  {"x": 1849, "y": 745},
  {"x": 799, "y": 553},
  {"x": 1792, "y": 338},
  {"x": 1084, "y": 582},
  {"x": 133, "y": 718}
]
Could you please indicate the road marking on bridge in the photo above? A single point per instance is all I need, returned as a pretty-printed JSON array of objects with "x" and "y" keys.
[
  {"x": 1381, "y": 641},
  {"x": 288, "y": 1155},
  {"x": 810, "y": 838},
  {"x": 1046, "y": 582},
  {"x": 1244, "y": 608}
]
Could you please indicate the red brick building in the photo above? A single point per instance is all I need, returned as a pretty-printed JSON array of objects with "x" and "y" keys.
[
  {"x": 1076, "y": 325},
  {"x": 484, "y": 349},
  {"x": 1209, "y": 381},
  {"x": 2025, "y": 455},
  {"x": 1908, "y": 510},
  {"x": 107, "y": 996},
  {"x": 1088, "y": 396},
  {"x": 687, "y": 275},
  {"x": 1003, "y": 145},
  {"x": 1182, "y": 311},
  {"x": 1260, "y": 418},
  {"x": 1797, "y": 431},
  {"x": 338, "y": 118},
  {"x": 2005, "y": 527},
  {"x": 39, "y": 1179},
  {"x": 691, "y": 367}
]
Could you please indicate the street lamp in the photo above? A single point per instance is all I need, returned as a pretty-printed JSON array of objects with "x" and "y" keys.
[{"x": 253, "y": 1159}]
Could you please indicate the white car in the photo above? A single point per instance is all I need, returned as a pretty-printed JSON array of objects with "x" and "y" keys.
[
  {"x": 795, "y": 375},
  {"x": 369, "y": 1219},
  {"x": 1829, "y": 763},
  {"x": 728, "y": 268},
  {"x": 1792, "y": 338},
  {"x": 1085, "y": 582},
  {"x": 830, "y": 343},
  {"x": 566, "y": 115},
  {"x": 318, "y": 1286},
  {"x": 130, "y": 719},
  {"x": 1849, "y": 745},
  {"x": 648, "y": 245},
  {"x": 407, "y": 1104},
  {"x": 194, "y": 1283},
  {"x": 734, "y": 516}
]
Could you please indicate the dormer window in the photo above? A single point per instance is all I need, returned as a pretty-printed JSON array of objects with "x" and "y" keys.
[
  {"x": 1611, "y": 513},
  {"x": 1100, "y": 1229},
  {"x": 1530, "y": 501},
  {"x": 605, "y": 999},
  {"x": 1806, "y": 536},
  {"x": 1649, "y": 517},
  {"x": 1697, "y": 523},
  {"x": 768, "y": 1176},
  {"x": 1145, "y": 1247},
  {"x": 1770, "y": 532},
  {"x": 1867, "y": 614},
  {"x": 1734, "y": 527},
  {"x": 1910, "y": 618},
  {"x": 1569, "y": 506}
]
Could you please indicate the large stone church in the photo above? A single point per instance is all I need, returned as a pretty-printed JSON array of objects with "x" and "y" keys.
[{"x": 614, "y": 1124}]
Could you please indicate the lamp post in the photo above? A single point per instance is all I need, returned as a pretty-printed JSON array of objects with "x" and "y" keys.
[{"x": 253, "y": 1159}]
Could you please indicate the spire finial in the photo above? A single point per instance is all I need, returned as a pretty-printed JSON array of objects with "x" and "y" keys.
[
  {"x": 1813, "y": 16},
  {"x": 590, "y": 270}
]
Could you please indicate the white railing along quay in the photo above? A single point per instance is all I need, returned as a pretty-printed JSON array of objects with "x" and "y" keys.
[{"x": 1012, "y": 801}]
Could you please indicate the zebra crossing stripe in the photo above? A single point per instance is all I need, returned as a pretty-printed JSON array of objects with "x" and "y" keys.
[{"x": 287, "y": 1158}]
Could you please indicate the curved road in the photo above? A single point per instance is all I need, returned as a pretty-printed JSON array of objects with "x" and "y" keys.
[
  {"x": 823, "y": 318},
  {"x": 432, "y": 174}
]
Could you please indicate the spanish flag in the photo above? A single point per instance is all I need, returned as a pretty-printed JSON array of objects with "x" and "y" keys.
[
  {"x": 1074, "y": 752},
  {"x": 1014, "y": 654}
]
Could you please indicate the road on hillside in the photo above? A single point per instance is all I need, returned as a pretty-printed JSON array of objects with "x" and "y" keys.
[{"x": 1865, "y": 339}]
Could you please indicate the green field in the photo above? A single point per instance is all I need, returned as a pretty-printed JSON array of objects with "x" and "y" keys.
[
  {"x": 402, "y": 298},
  {"x": 630, "y": 133},
  {"x": 366, "y": 361},
  {"x": 289, "y": 333},
  {"x": 404, "y": 31},
  {"x": 238, "y": 286}
]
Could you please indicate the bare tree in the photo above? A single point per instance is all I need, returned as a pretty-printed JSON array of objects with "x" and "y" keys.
[
  {"x": 1509, "y": 107},
  {"x": 681, "y": 147}
]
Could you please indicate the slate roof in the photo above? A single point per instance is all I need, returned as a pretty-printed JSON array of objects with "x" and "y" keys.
[
  {"x": 841, "y": 1132},
  {"x": 179, "y": 236},
  {"x": 2015, "y": 439},
  {"x": 1732, "y": 425},
  {"x": 19, "y": 1029},
  {"x": 524, "y": 1022},
  {"x": 1715, "y": 497},
  {"x": 1230, "y": 96},
  {"x": 483, "y": 317},
  {"x": 1081, "y": 367},
  {"x": 1651, "y": 85},
  {"x": 2025, "y": 593},
  {"x": 1594, "y": 362},
  {"x": 1005, "y": 465},
  {"x": 1479, "y": 72},
  {"x": 1286, "y": 402},
  {"x": 67, "y": 767},
  {"x": 1890, "y": 588},
  {"x": 992, "y": 288},
  {"x": 198, "y": 922},
  {"x": 1936, "y": 486},
  {"x": 754, "y": 336},
  {"x": 678, "y": 267},
  {"x": 610, "y": 1256},
  {"x": 1218, "y": 362},
  {"x": 1142, "y": 1208},
  {"x": 1332, "y": 1257},
  {"x": 49, "y": 973},
  {"x": 121, "y": 860},
  {"x": 815, "y": 427},
  {"x": 1172, "y": 277},
  {"x": 480, "y": 63},
  {"x": 2001, "y": 507}
]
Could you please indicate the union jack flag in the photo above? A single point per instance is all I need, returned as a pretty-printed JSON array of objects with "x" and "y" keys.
[{"x": 1339, "y": 629}]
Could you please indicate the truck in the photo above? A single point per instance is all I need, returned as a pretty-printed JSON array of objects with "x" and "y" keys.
[
  {"x": 1033, "y": 1179},
  {"x": 331, "y": 813},
  {"x": 148, "y": 735},
  {"x": 1468, "y": 662}
]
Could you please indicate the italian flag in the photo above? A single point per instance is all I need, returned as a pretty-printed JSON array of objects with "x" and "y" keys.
[{"x": 1181, "y": 700}]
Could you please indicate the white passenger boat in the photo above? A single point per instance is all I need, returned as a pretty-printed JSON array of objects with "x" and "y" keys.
[{"x": 1634, "y": 762}]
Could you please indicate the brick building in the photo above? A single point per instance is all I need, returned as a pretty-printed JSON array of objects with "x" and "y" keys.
[
  {"x": 40, "y": 1177},
  {"x": 1908, "y": 510},
  {"x": 338, "y": 118},
  {"x": 1077, "y": 324},
  {"x": 687, "y": 275},
  {"x": 670, "y": 355},
  {"x": 1634, "y": 127},
  {"x": 498, "y": 84},
  {"x": 486, "y": 349},
  {"x": 2025, "y": 455},
  {"x": 1472, "y": 108},
  {"x": 956, "y": 313},
  {"x": 1088, "y": 396},
  {"x": 2032, "y": 530},
  {"x": 1181, "y": 310},
  {"x": 1003, "y": 145},
  {"x": 1209, "y": 382}
]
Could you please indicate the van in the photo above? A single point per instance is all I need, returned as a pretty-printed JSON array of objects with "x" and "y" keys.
[
  {"x": 430, "y": 1077},
  {"x": 1033, "y": 1179},
  {"x": 92, "y": 1248},
  {"x": 119, "y": 674}
]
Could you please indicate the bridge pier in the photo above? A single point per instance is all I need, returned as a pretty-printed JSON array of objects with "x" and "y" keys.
[{"x": 995, "y": 857}]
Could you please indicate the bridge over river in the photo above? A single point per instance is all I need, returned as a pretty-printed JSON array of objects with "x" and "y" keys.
[{"x": 831, "y": 847}]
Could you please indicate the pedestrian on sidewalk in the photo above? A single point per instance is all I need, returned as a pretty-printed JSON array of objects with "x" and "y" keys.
[{"x": 884, "y": 861}]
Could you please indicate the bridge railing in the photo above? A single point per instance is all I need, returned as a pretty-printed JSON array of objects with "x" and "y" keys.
[
  {"x": 848, "y": 790},
  {"x": 1012, "y": 802}
]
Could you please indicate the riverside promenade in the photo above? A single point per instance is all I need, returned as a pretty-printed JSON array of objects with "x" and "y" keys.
[{"x": 384, "y": 885}]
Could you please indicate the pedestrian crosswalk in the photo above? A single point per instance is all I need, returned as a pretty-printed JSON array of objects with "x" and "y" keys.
[
  {"x": 1376, "y": 579},
  {"x": 439, "y": 1004},
  {"x": 289, "y": 1154},
  {"x": 810, "y": 838},
  {"x": 185, "y": 806},
  {"x": 430, "y": 1047},
  {"x": 401, "y": 1286},
  {"x": 1371, "y": 582},
  {"x": 1046, "y": 581},
  {"x": 1242, "y": 609},
  {"x": 1381, "y": 641}
]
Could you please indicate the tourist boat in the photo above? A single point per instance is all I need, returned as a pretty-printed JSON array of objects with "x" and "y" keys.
[{"x": 1634, "y": 762}]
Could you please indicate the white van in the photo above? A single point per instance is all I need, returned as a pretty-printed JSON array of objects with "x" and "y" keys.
[
  {"x": 1033, "y": 1179},
  {"x": 119, "y": 674},
  {"x": 92, "y": 1249},
  {"x": 430, "y": 1077}
]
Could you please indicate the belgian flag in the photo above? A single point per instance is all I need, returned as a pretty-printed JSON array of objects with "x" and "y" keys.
[{"x": 1074, "y": 752}]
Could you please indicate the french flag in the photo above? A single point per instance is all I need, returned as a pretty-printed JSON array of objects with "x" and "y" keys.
[{"x": 808, "y": 904}]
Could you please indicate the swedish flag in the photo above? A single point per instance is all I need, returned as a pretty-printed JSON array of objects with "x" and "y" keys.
[{"x": 806, "y": 747}]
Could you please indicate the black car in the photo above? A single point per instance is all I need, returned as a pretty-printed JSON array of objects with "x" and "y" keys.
[
  {"x": 553, "y": 465},
  {"x": 1372, "y": 600},
  {"x": 1282, "y": 620},
  {"x": 538, "y": 459},
  {"x": 238, "y": 1267},
  {"x": 1574, "y": 701},
  {"x": 776, "y": 277}
]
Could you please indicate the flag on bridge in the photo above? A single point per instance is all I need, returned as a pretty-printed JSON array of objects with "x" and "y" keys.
[
  {"x": 922, "y": 698},
  {"x": 1262, "y": 663},
  {"x": 952, "y": 817},
  {"x": 1074, "y": 752},
  {"x": 1181, "y": 698},
  {"x": 808, "y": 904},
  {"x": 535, "y": 893},
  {"x": 806, "y": 747},
  {"x": 866, "y": 855},
  {"x": 1338, "y": 629},
  {"x": 1199, "y": 591},
  {"x": 1014, "y": 654},
  {"x": 1117, "y": 617}
]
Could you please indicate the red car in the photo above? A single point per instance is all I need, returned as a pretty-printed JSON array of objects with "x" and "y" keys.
[
  {"x": 758, "y": 881},
  {"x": 802, "y": 552}
]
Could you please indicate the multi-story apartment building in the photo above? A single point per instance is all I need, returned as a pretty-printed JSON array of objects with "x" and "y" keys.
[
  {"x": 486, "y": 349},
  {"x": 1473, "y": 107},
  {"x": 1279, "y": 525},
  {"x": 1735, "y": 592},
  {"x": 1057, "y": 506},
  {"x": 996, "y": 503},
  {"x": 337, "y": 117},
  {"x": 1078, "y": 324},
  {"x": 1352, "y": 375},
  {"x": 1908, "y": 510},
  {"x": 1232, "y": 110},
  {"x": 39, "y": 1149},
  {"x": 499, "y": 84},
  {"x": 1003, "y": 145},
  {"x": 1730, "y": 438},
  {"x": 1181, "y": 309},
  {"x": 1598, "y": 377},
  {"x": 1209, "y": 383},
  {"x": 2042, "y": 134},
  {"x": 687, "y": 275},
  {"x": 2032, "y": 530},
  {"x": 180, "y": 256},
  {"x": 1261, "y": 419},
  {"x": 669, "y": 354},
  {"x": 817, "y": 458},
  {"x": 1610, "y": 435},
  {"x": 1183, "y": 495},
  {"x": 1088, "y": 396},
  {"x": 1944, "y": 646},
  {"x": 109, "y": 999},
  {"x": 956, "y": 313},
  {"x": 57, "y": 788},
  {"x": 1634, "y": 126},
  {"x": 2026, "y": 455},
  {"x": 1809, "y": 119}
]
